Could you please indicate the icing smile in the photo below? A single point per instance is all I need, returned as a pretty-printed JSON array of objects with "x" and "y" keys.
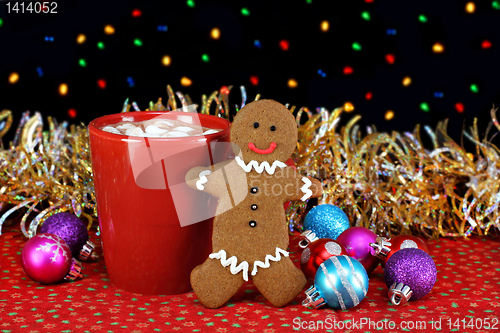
[{"x": 262, "y": 151}]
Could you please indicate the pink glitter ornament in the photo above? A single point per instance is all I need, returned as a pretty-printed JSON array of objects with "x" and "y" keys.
[{"x": 46, "y": 258}]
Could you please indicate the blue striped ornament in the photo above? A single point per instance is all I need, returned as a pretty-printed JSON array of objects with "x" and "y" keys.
[{"x": 341, "y": 282}]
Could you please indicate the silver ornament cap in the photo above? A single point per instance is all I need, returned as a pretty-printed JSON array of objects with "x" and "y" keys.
[
  {"x": 87, "y": 251},
  {"x": 308, "y": 237},
  {"x": 313, "y": 298},
  {"x": 75, "y": 271},
  {"x": 399, "y": 293},
  {"x": 381, "y": 247}
]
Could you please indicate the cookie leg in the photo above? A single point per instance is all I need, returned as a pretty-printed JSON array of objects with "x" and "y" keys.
[
  {"x": 281, "y": 282},
  {"x": 214, "y": 284}
]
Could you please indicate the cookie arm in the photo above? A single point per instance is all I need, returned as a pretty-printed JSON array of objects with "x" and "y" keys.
[
  {"x": 208, "y": 179},
  {"x": 297, "y": 187}
]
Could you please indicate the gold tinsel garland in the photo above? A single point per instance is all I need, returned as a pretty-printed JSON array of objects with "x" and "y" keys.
[{"x": 389, "y": 183}]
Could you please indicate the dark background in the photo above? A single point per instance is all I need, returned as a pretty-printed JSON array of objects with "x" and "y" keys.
[{"x": 137, "y": 72}]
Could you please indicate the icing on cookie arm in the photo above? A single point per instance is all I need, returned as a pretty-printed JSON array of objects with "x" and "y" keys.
[
  {"x": 207, "y": 179},
  {"x": 298, "y": 187}
]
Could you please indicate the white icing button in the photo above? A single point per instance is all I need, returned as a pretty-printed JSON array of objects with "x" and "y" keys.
[{"x": 111, "y": 130}]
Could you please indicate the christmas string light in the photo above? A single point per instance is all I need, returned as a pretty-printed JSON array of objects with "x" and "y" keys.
[
  {"x": 13, "y": 77},
  {"x": 81, "y": 38},
  {"x": 166, "y": 60},
  {"x": 215, "y": 33},
  {"x": 292, "y": 83}
]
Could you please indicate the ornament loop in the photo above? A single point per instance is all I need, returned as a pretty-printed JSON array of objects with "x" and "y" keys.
[
  {"x": 381, "y": 247},
  {"x": 308, "y": 238},
  {"x": 75, "y": 271},
  {"x": 399, "y": 293},
  {"x": 313, "y": 298},
  {"x": 86, "y": 251}
]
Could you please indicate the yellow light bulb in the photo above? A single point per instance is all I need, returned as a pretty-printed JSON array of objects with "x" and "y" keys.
[
  {"x": 215, "y": 33},
  {"x": 81, "y": 38},
  {"x": 186, "y": 82},
  {"x": 292, "y": 83},
  {"x": 470, "y": 7},
  {"x": 13, "y": 77},
  {"x": 438, "y": 48},
  {"x": 406, "y": 81},
  {"x": 166, "y": 60},
  {"x": 63, "y": 89},
  {"x": 325, "y": 25},
  {"x": 348, "y": 107},
  {"x": 109, "y": 29},
  {"x": 389, "y": 115}
]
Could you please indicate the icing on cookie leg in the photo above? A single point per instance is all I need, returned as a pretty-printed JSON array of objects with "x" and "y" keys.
[{"x": 214, "y": 284}]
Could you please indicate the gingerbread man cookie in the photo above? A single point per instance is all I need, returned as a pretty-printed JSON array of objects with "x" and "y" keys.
[{"x": 250, "y": 234}]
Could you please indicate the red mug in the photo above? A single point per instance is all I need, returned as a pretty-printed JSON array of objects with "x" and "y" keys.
[{"x": 154, "y": 228}]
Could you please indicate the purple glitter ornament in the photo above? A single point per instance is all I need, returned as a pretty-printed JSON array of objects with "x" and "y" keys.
[
  {"x": 46, "y": 258},
  {"x": 68, "y": 227},
  {"x": 410, "y": 274},
  {"x": 357, "y": 241}
]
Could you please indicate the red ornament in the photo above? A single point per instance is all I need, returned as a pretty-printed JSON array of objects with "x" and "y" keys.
[
  {"x": 284, "y": 45},
  {"x": 348, "y": 70},
  {"x": 136, "y": 12},
  {"x": 384, "y": 248},
  {"x": 368, "y": 95},
  {"x": 316, "y": 251}
]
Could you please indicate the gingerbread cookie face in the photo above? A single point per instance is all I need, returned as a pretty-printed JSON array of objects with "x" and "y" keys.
[{"x": 264, "y": 130}]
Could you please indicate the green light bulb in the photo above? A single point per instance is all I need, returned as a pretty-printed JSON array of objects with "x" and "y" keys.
[
  {"x": 366, "y": 16},
  {"x": 425, "y": 107},
  {"x": 422, "y": 18},
  {"x": 356, "y": 46},
  {"x": 100, "y": 45},
  {"x": 137, "y": 42},
  {"x": 474, "y": 88},
  {"x": 245, "y": 11},
  {"x": 82, "y": 62},
  {"x": 205, "y": 58},
  {"x": 190, "y": 3},
  {"x": 495, "y": 4}
]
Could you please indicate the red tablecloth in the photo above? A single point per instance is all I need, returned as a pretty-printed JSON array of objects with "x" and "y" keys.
[{"x": 465, "y": 298}]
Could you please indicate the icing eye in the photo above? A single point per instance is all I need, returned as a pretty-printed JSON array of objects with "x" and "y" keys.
[
  {"x": 254, "y": 207},
  {"x": 254, "y": 190},
  {"x": 273, "y": 128},
  {"x": 255, "y": 125},
  {"x": 253, "y": 224}
]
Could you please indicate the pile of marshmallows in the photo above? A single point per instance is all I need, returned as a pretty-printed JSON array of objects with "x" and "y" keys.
[{"x": 158, "y": 128}]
